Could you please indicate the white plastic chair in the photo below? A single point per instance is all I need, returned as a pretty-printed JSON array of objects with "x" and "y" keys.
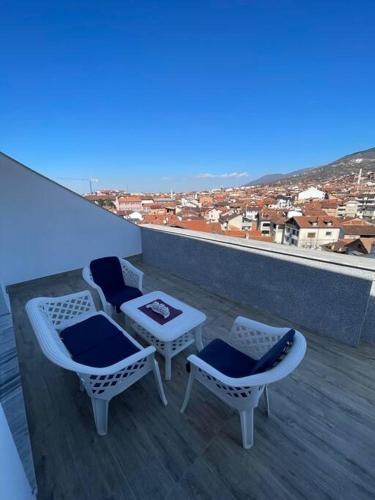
[
  {"x": 48, "y": 316},
  {"x": 243, "y": 394},
  {"x": 132, "y": 277}
]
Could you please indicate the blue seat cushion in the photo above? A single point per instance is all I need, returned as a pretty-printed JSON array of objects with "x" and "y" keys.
[
  {"x": 226, "y": 359},
  {"x": 97, "y": 342},
  {"x": 118, "y": 297},
  {"x": 236, "y": 364}
]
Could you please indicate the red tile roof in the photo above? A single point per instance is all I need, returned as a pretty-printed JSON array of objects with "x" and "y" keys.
[{"x": 319, "y": 222}]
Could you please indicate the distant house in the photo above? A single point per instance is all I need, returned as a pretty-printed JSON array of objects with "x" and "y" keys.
[
  {"x": 131, "y": 202},
  {"x": 311, "y": 232},
  {"x": 232, "y": 220},
  {"x": 277, "y": 228},
  {"x": 348, "y": 209},
  {"x": 212, "y": 215},
  {"x": 366, "y": 205},
  {"x": 205, "y": 200},
  {"x": 268, "y": 219},
  {"x": 359, "y": 246},
  {"x": 311, "y": 193},
  {"x": 251, "y": 213},
  {"x": 354, "y": 231},
  {"x": 283, "y": 201},
  {"x": 135, "y": 216}
]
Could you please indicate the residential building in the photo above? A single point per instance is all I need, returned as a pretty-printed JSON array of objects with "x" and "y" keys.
[
  {"x": 131, "y": 202},
  {"x": 366, "y": 205},
  {"x": 311, "y": 193},
  {"x": 311, "y": 232},
  {"x": 354, "y": 231},
  {"x": 348, "y": 209},
  {"x": 359, "y": 246},
  {"x": 283, "y": 201},
  {"x": 277, "y": 228},
  {"x": 212, "y": 215}
]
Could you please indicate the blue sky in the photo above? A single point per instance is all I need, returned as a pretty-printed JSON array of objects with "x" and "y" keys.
[{"x": 159, "y": 95}]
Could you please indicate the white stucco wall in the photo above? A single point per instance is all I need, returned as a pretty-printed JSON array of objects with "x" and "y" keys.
[
  {"x": 46, "y": 229},
  {"x": 13, "y": 481}
]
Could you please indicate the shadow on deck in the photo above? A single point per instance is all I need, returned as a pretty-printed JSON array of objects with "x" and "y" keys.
[{"x": 319, "y": 441}]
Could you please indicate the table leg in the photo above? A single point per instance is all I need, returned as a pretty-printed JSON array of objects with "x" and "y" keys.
[
  {"x": 168, "y": 368},
  {"x": 168, "y": 361},
  {"x": 198, "y": 337}
]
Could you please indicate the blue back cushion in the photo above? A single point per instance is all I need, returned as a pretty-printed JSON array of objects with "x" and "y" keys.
[
  {"x": 97, "y": 342},
  {"x": 234, "y": 363},
  {"x": 107, "y": 273},
  {"x": 268, "y": 360}
]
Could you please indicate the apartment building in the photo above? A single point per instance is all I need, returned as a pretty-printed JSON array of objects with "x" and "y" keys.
[
  {"x": 132, "y": 202},
  {"x": 366, "y": 205},
  {"x": 311, "y": 232},
  {"x": 312, "y": 193},
  {"x": 348, "y": 209}
]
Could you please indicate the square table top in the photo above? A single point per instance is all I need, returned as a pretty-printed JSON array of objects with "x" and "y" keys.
[{"x": 189, "y": 319}]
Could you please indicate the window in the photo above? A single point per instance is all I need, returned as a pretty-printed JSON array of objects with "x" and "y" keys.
[
  {"x": 328, "y": 233},
  {"x": 311, "y": 235}
]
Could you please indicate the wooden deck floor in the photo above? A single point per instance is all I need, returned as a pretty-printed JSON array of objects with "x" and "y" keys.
[{"x": 318, "y": 443}]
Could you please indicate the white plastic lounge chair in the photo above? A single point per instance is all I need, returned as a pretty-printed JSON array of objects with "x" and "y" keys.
[
  {"x": 72, "y": 321},
  {"x": 249, "y": 338},
  {"x": 126, "y": 286}
]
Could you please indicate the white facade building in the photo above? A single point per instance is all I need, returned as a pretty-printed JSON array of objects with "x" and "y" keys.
[{"x": 311, "y": 193}]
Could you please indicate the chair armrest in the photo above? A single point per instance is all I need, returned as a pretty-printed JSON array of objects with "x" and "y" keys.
[
  {"x": 87, "y": 276},
  {"x": 258, "y": 379},
  {"x": 71, "y": 365},
  {"x": 132, "y": 275}
]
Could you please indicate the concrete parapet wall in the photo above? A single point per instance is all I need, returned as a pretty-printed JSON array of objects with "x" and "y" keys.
[{"x": 329, "y": 295}]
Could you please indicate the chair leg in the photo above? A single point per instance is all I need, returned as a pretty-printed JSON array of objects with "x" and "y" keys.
[
  {"x": 198, "y": 337},
  {"x": 188, "y": 391},
  {"x": 267, "y": 401},
  {"x": 100, "y": 409},
  {"x": 247, "y": 427},
  {"x": 159, "y": 383}
]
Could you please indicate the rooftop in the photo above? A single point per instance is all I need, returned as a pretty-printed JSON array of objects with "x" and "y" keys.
[
  {"x": 317, "y": 443},
  {"x": 318, "y": 221}
]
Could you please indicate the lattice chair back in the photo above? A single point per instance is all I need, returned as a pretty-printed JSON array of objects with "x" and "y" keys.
[
  {"x": 63, "y": 311},
  {"x": 49, "y": 315},
  {"x": 254, "y": 338}
]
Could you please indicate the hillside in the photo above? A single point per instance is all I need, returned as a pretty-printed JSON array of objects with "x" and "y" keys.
[{"x": 348, "y": 164}]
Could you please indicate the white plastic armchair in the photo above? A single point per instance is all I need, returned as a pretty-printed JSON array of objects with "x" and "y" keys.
[
  {"x": 48, "y": 316},
  {"x": 243, "y": 394},
  {"x": 132, "y": 277}
]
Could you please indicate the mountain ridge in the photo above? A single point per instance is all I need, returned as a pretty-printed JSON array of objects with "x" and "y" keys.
[{"x": 344, "y": 165}]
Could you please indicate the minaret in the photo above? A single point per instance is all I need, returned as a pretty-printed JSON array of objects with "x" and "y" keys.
[{"x": 359, "y": 176}]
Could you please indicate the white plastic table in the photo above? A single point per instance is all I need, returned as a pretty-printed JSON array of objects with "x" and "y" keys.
[{"x": 172, "y": 337}]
